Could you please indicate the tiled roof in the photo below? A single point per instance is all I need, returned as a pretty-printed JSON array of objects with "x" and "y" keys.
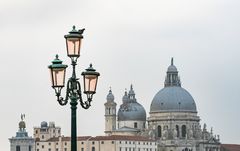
[
  {"x": 230, "y": 147},
  {"x": 80, "y": 138},
  {"x": 122, "y": 137},
  {"x": 99, "y": 138}
]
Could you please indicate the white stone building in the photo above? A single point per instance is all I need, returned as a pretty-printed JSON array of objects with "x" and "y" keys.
[
  {"x": 22, "y": 142},
  {"x": 45, "y": 131},
  {"x": 53, "y": 142}
]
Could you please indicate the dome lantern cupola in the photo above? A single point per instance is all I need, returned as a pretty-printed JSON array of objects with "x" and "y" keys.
[
  {"x": 131, "y": 94},
  {"x": 172, "y": 78},
  {"x": 125, "y": 97}
]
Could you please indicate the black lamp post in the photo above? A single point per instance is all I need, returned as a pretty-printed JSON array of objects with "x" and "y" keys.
[{"x": 73, "y": 92}]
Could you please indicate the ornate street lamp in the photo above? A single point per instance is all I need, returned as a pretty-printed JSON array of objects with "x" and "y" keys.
[{"x": 73, "y": 92}]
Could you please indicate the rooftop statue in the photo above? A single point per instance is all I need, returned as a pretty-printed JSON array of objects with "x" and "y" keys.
[{"x": 22, "y": 124}]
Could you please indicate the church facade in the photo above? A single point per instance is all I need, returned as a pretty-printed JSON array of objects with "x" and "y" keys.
[{"x": 173, "y": 122}]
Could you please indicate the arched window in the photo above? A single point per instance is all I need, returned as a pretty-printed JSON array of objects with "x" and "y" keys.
[
  {"x": 93, "y": 148},
  {"x": 184, "y": 131},
  {"x": 159, "y": 131},
  {"x": 177, "y": 129}
]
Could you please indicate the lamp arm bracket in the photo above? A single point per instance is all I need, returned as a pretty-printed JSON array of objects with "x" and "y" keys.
[
  {"x": 60, "y": 99},
  {"x": 84, "y": 104}
]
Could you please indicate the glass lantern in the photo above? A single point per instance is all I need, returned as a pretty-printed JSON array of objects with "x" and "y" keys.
[
  {"x": 90, "y": 79},
  {"x": 57, "y": 72},
  {"x": 73, "y": 42}
]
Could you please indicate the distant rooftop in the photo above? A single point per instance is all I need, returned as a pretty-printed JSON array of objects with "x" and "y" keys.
[
  {"x": 122, "y": 137},
  {"x": 230, "y": 147},
  {"x": 99, "y": 138}
]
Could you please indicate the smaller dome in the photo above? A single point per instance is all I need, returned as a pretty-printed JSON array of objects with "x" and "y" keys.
[
  {"x": 110, "y": 96},
  {"x": 131, "y": 111},
  {"x": 44, "y": 124}
]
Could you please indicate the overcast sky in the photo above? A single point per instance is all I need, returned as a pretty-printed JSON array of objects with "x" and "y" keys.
[{"x": 128, "y": 42}]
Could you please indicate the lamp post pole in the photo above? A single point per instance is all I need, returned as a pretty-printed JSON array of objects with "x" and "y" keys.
[
  {"x": 73, "y": 89},
  {"x": 73, "y": 104},
  {"x": 73, "y": 124}
]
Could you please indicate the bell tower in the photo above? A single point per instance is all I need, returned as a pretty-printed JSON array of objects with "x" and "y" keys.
[{"x": 110, "y": 114}]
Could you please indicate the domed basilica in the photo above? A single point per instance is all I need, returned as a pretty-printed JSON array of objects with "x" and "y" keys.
[{"x": 173, "y": 120}]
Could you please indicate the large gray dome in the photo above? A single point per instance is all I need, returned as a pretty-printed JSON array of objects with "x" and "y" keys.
[
  {"x": 131, "y": 111},
  {"x": 173, "y": 98}
]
